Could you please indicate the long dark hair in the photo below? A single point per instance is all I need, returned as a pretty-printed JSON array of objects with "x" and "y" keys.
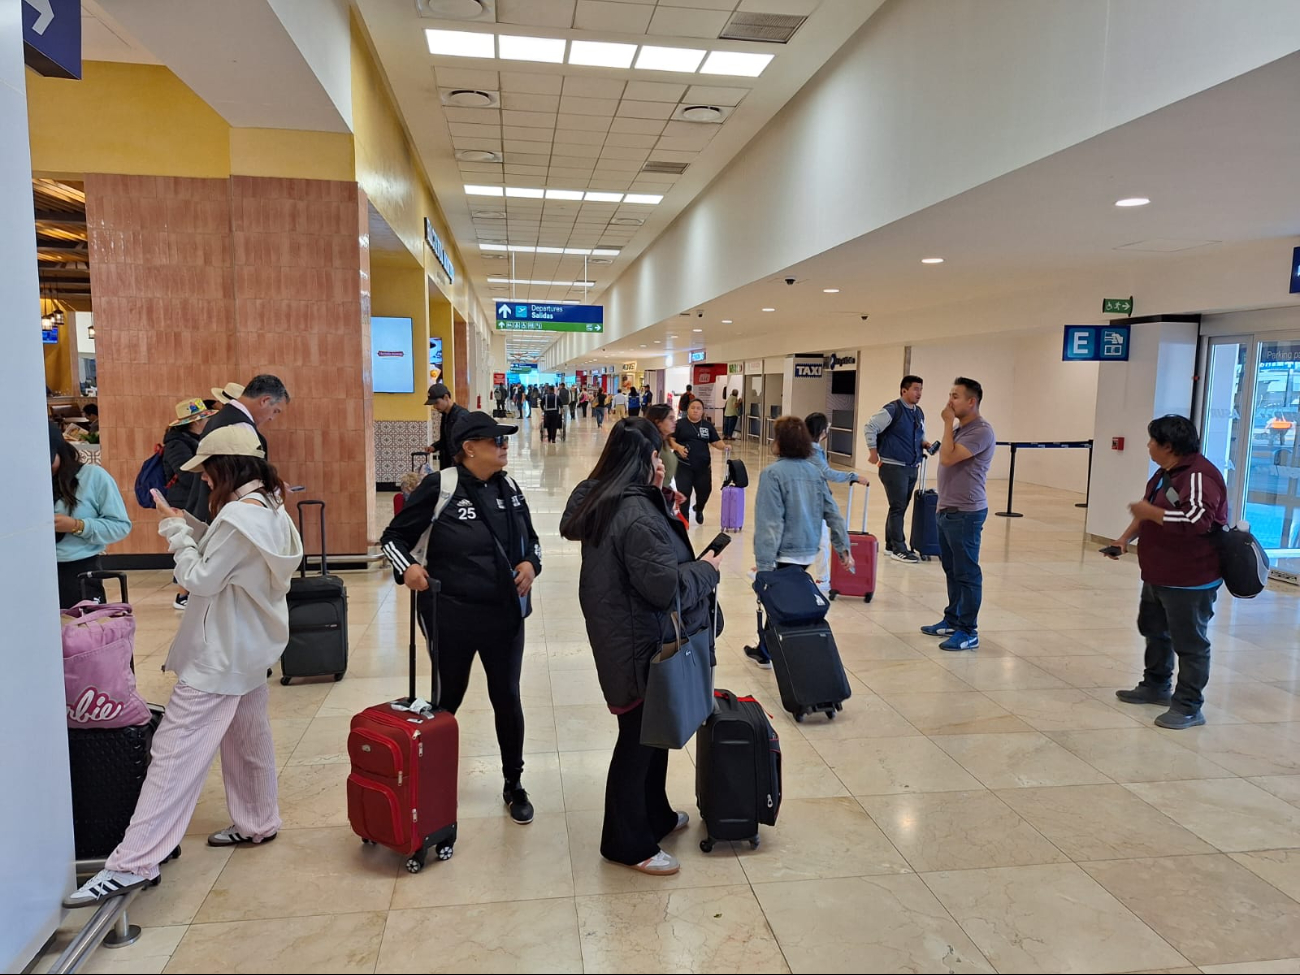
[
  {"x": 230, "y": 472},
  {"x": 65, "y": 478},
  {"x": 627, "y": 461}
]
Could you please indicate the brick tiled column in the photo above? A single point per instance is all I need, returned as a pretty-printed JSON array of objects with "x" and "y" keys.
[{"x": 197, "y": 283}]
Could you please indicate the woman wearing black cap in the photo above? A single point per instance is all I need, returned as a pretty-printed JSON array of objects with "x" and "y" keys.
[{"x": 483, "y": 551}]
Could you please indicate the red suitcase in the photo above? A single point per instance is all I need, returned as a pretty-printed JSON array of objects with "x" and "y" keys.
[
  {"x": 866, "y": 554},
  {"x": 402, "y": 788}
]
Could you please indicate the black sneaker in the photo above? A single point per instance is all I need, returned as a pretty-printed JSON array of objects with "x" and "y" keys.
[
  {"x": 516, "y": 797},
  {"x": 1144, "y": 695},
  {"x": 699, "y": 516},
  {"x": 756, "y": 655}
]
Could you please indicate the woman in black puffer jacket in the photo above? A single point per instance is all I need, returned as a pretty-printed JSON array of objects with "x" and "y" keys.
[
  {"x": 636, "y": 562},
  {"x": 180, "y": 444}
]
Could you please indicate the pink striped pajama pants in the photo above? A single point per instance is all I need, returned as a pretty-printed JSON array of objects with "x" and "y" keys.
[{"x": 195, "y": 725}]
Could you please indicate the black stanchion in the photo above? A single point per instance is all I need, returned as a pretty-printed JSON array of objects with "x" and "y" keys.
[
  {"x": 1011, "y": 487},
  {"x": 1011, "y": 474}
]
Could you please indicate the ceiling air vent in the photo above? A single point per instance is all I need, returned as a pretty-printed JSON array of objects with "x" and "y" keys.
[
  {"x": 666, "y": 168},
  {"x": 771, "y": 28}
]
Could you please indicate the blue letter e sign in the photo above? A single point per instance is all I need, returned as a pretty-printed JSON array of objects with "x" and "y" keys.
[{"x": 1080, "y": 343}]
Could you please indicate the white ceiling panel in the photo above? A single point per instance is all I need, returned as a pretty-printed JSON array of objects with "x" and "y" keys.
[
  {"x": 631, "y": 139},
  {"x": 580, "y": 137},
  {"x": 520, "y": 133},
  {"x": 526, "y": 82},
  {"x": 536, "y": 13},
  {"x": 571, "y": 104},
  {"x": 590, "y": 123},
  {"x": 591, "y": 87},
  {"x": 476, "y": 116},
  {"x": 612, "y": 165},
  {"x": 654, "y": 91},
  {"x": 625, "y": 152},
  {"x": 712, "y": 95},
  {"x": 680, "y": 145},
  {"x": 517, "y": 102},
  {"x": 613, "y": 16},
  {"x": 727, "y": 5},
  {"x": 799, "y": 8},
  {"x": 685, "y": 22},
  {"x": 574, "y": 162},
  {"x": 664, "y": 155},
  {"x": 639, "y": 126},
  {"x": 518, "y": 169},
  {"x": 459, "y": 129},
  {"x": 479, "y": 169},
  {"x": 575, "y": 176},
  {"x": 647, "y": 110},
  {"x": 532, "y": 120},
  {"x": 576, "y": 149},
  {"x": 466, "y": 78},
  {"x": 528, "y": 159}
]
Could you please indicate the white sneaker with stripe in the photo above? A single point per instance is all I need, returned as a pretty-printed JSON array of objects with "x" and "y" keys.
[{"x": 105, "y": 884}]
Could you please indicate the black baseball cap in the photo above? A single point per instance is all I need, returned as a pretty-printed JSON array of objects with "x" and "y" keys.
[
  {"x": 478, "y": 426},
  {"x": 436, "y": 392}
]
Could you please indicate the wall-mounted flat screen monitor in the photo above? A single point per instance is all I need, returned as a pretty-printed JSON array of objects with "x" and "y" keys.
[
  {"x": 844, "y": 381},
  {"x": 392, "y": 363}
]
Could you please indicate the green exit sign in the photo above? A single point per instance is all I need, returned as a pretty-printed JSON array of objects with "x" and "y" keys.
[{"x": 1117, "y": 306}]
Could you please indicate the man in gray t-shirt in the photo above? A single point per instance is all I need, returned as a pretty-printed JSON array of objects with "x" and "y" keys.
[{"x": 964, "y": 457}]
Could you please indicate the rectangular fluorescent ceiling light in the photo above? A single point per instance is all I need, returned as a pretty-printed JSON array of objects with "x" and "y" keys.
[
  {"x": 564, "y": 194},
  {"x": 648, "y": 198},
  {"x": 579, "y": 251},
  {"x": 460, "y": 43},
  {"x": 511, "y": 47},
  {"x": 548, "y": 284},
  {"x": 600, "y": 54},
  {"x": 736, "y": 63},
  {"x": 604, "y": 252},
  {"x": 603, "y": 197},
  {"x": 525, "y": 192},
  {"x": 669, "y": 59},
  {"x": 475, "y": 190},
  {"x": 520, "y": 249},
  {"x": 549, "y": 250},
  {"x": 492, "y": 247}
]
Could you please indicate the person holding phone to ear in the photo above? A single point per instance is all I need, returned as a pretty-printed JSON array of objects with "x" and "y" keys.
[{"x": 484, "y": 552}]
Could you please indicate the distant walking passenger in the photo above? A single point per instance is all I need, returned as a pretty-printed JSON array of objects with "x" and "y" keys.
[{"x": 896, "y": 439}]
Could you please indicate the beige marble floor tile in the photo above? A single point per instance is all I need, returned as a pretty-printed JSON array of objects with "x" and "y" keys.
[
  {"x": 908, "y": 677},
  {"x": 583, "y": 775},
  {"x": 1008, "y": 673},
  {"x": 305, "y": 872},
  {"x": 1137, "y": 755},
  {"x": 313, "y": 796},
  {"x": 705, "y": 930},
  {"x": 585, "y": 727},
  {"x": 1281, "y": 966},
  {"x": 1102, "y": 822},
  {"x": 1271, "y": 664},
  {"x": 1049, "y": 918},
  {"x": 960, "y": 713},
  {"x": 481, "y": 780},
  {"x": 865, "y": 715},
  {"x": 1283, "y": 786},
  {"x": 1025, "y": 760},
  {"x": 1098, "y": 670},
  {"x": 866, "y": 924},
  {"x": 326, "y": 943},
  {"x": 354, "y": 694},
  {"x": 959, "y": 831},
  {"x": 325, "y": 742},
  {"x": 148, "y": 955},
  {"x": 1281, "y": 868},
  {"x": 185, "y": 885},
  {"x": 495, "y": 860},
  {"x": 804, "y": 773},
  {"x": 1251, "y": 701},
  {"x": 880, "y": 766},
  {"x": 1264, "y": 749},
  {"x": 1070, "y": 709},
  {"x": 518, "y": 936},
  {"x": 478, "y": 732},
  {"x": 883, "y": 646},
  {"x": 1035, "y": 643},
  {"x": 1230, "y": 814},
  {"x": 1186, "y": 900},
  {"x": 816, "y": 839}
]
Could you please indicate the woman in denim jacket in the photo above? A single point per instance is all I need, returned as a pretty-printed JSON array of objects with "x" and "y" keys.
[{"x": 792, "y": 503}]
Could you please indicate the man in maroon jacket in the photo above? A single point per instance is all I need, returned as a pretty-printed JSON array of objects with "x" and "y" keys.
[{"x": 1186, "y": 502}]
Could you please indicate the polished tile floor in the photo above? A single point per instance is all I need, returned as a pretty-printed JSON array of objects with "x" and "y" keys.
[{"x": 988, "y": 811}]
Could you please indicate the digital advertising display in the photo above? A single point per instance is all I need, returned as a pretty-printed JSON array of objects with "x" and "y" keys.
[{"x": 392, "y": 366}]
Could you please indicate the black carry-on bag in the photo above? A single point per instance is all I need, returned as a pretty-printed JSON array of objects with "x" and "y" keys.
[
  {"x": 737, "y": 771},
  {"x": 318, "y": 617},
  {"x": 925, "y": 518}
]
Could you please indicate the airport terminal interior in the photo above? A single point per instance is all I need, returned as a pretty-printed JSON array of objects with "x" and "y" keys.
[{"x": 360, "y": 239}]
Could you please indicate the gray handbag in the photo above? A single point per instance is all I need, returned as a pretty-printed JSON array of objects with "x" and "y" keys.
[{"x": 679, "y": 689}]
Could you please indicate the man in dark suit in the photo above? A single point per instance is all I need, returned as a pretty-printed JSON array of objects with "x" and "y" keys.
[
  {"x": 258, "y": 403},
  {"x": 452, "y": 413}
]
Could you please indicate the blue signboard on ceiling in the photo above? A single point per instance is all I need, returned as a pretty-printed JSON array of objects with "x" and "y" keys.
[
  {"x": 542, "y": 316},
  {"x": 52, "y": 37},
  {"x": 1096, "y": 343},
  {"x": 1295, "y": 271}
]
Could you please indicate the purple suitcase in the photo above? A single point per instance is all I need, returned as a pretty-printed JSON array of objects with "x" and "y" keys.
[{"x": 733, "y": 508}]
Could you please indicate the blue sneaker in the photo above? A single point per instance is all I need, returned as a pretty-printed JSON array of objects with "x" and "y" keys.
[
  {"x": 961, "y": 640},
  {"x": 938, "y": 629}
]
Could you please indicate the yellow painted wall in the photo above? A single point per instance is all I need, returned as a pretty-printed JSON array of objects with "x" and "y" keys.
[
  {"x": 138, "y": 119},
  {"x": 289, "y": 153},
  {"x": 397, "y": 290}
]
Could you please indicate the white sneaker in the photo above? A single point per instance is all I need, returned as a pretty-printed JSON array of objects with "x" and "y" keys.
[
  {"x": 102, "y": 886},
  {"x": 233, "y": 837},
  {"x": 683, "y": 820},
  {"x": 181, "y": 601},
  {"x": 660, "y": 865}
]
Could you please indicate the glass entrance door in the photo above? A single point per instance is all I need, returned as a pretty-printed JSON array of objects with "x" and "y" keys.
[
  {"x": 1271, "y": 492},
  {"x": 1226, "y": 402}
]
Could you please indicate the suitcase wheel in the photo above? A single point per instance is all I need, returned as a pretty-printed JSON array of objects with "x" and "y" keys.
[
  {"x": 285, "y": 681},
  {"x": 445, "y": 851},
  {"x": 798, "y": 717},
  {"x": 366, "y": 842},
  {"x": 753, "y": 843},
  {"x": 867, "y": 598},
  {"x": 416, "y": 862},
  {"x": 706, "y": 844},
  {"x": 830, "y": 714},
  {"x": 833, "y": 593},
  {"x": 337, "y": 678}
]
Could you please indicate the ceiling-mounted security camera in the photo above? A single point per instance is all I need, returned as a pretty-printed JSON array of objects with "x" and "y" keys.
[
  {"x": 789, "y": 280},
  {"x": 699, "y": 313},
  {"x": 864, "y": 317}
]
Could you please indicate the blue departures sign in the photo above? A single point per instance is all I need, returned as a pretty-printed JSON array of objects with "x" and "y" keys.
[
  {"x": 52, "y": 37},
  {"x": 540, "y": 316},
  {"x": 1096, "y": 343}
]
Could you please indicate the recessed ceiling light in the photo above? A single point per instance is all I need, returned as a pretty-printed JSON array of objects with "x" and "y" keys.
[
  {"x": 726, "y": 321},
  {"x": 478, "y": 155},
  {"x": 649, "y": 199},
  {"x": 511, "y": 47},
  {"x": 657, "y": 342},
  {"x": 525, "y": 192},
  {"x": 769, "y": 309},
  {"x": 669, "y": 58},
  {"x": 736, "y": 63},
  {"x": 701, "y": 113},
  {"x": 1132, "y": 201},
  {"x": 564, "y": 194},
  {"x": 473, "y": 189},
  {"x": 600, "y": 54},
  {"x": 603, "y": 197},
  {"x": 830, "y": 291},
  {"x": 932, "y": 260},
  {"x": 643, "y": 345},
  {"x": 469, "y": 98},
  {"x": 489, "y": 214},
  {"x": 697, "y": 330},
  {"x": 459, "y": 43},
  {"x": 626, "y": 222}
]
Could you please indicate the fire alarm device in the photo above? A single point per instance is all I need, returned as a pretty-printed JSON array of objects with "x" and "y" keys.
[{"x": 1116, "y": 443}]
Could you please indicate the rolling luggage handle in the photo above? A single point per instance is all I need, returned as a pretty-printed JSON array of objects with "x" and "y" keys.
[
  {"x": 848, "y": 511},
  {"x": 423, "y": 461},
  {"x": 324, "y": 557},
  {"x": 431, "y": 636},
  {"x": 103, "y": 574}
]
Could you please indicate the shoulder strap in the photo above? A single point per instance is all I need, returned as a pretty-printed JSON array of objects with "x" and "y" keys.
[{"x": 448, "y": 481}]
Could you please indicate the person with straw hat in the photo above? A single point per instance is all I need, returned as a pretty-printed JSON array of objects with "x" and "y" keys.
[{"x": 180, "y": 443}]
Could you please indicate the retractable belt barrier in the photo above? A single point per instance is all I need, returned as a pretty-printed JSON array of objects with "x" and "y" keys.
[{"x": 1016, "y": 445}]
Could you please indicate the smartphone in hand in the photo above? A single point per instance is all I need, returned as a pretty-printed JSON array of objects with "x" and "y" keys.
[
  {"x": 1112, "y": 551},
  {"x": 718, "y": 544}
]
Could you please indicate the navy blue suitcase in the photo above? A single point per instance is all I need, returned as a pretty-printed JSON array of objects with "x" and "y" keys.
[{"x": 925, "y": 520}]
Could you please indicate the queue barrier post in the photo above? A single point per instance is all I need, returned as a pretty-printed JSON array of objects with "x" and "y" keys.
[{"x": 1015, "y": 445}]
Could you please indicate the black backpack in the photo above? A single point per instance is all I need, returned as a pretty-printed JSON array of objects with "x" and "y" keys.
[
  {"x": 1243, "y": 562},
  {"x": 737, "y": 476}
]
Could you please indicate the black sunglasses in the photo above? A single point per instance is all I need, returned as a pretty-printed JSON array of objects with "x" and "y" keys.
[{"x": 499, "y": 439}]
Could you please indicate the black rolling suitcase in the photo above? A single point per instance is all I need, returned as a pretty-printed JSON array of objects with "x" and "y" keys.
[
  {"x": 737, "y": 771},
  {"x": 925, "y": 519},
  {"x": 809, "y": 673},
  {"x": 318, "y": 617}
]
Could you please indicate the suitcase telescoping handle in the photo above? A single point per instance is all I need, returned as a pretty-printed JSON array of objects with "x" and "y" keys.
[
  {"x": 866, "y": 495},
  {"x": 324, "y": 564},
  {"x": 431, "y": 636},
  {"x": 101, "y": 574},
  {"x": 423, "y": 458}
]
